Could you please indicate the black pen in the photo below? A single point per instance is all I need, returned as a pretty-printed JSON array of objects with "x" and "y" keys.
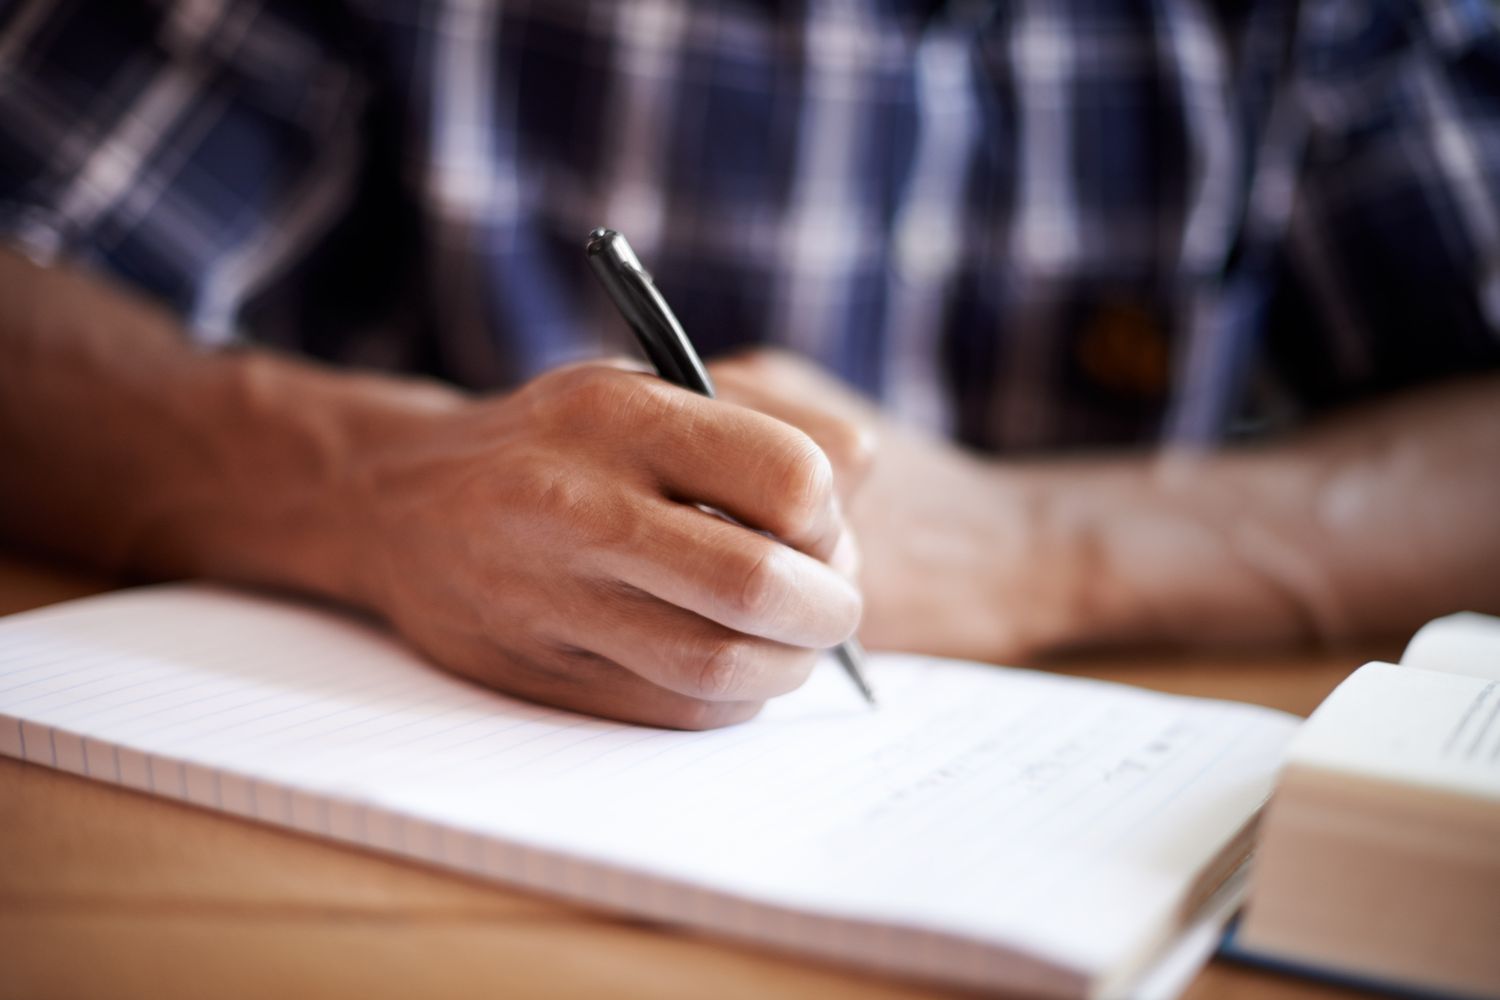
[{"x": 636, "y": 297}]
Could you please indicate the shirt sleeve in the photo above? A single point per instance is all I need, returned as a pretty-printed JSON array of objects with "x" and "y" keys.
[
  {"x": 1391, "y": 260},
  {"x": 194, "y": 150}
]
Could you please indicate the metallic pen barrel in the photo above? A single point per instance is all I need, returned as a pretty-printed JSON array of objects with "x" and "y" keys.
[
  {"x": 851, "y": 656},
  {"x": 667, "y": 345}
]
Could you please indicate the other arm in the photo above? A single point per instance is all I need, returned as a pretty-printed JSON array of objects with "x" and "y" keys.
[{"x": 1368, "y": 523}]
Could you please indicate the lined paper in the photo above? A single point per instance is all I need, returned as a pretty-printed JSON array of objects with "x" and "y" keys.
[{"x": 984, "y": 826}]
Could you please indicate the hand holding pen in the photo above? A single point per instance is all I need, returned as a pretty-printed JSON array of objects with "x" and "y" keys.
[{"x": 670, "y": 351}]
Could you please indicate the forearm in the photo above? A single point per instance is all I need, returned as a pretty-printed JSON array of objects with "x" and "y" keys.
[
  {"x": 129, "y": 449},
  {"x": 1368, "y": 524}
]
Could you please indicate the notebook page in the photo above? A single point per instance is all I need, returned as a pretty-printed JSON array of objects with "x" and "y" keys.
[
  {"x": 1053, "y": 816},
  {"x": 1465, "y": 643}
]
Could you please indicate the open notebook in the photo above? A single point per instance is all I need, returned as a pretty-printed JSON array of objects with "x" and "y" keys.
[{"x": 984, "y": 826}]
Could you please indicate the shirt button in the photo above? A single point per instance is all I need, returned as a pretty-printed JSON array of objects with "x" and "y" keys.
[{"x": 1123, "y": 349}]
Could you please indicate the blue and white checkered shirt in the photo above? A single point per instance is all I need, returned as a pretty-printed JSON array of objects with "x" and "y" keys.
[{"x": 1030, "y": 223}]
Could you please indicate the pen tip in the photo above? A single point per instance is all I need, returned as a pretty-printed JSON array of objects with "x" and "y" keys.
[
  {"x": 864, "y": 687},
  {"x": 851, "y": 657}
]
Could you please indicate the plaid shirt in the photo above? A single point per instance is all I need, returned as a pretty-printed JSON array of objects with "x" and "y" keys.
[{"x": 1029, "y": 223}]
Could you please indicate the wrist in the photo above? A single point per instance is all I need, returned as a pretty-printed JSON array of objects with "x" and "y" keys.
[
  {"x": 280, "y": 499},
  {"x": 1086, "y": 525},
  {"x": 1170, "y": 550},
  {"x": 1068, "y": 593}
]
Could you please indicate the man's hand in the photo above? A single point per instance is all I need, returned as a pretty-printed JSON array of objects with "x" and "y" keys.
[{"x": 549, "y": 542}]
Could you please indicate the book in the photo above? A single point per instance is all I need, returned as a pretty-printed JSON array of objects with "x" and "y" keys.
[
  {"x": 984, "y": 826},
  {"x": 1379, "y": 857}
]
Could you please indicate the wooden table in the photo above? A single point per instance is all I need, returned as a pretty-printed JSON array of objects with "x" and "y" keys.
[{"x": 107, "y": 892}]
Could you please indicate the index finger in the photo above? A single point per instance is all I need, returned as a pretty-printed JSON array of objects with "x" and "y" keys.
[{"x": 764, "y": 473}]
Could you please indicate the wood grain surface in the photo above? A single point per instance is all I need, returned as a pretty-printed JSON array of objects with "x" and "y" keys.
[{"x": 110, "y": 893}]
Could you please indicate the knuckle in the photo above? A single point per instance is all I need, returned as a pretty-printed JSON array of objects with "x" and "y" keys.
[
  {"x": 564, "y": 395},
  {"x": 725, "y": 668},
  {"x": 850, "y": 447},
  {"x": 579, "y": 515},
  {"x": 568, "y": 379},
  {"x": 590, "y": 397},
  {"x": 760, "y": 586},
  {"x": 551, "y": 490},
  {"x": 804, "y": 486},
  {"x": 593, "y": 394}
]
